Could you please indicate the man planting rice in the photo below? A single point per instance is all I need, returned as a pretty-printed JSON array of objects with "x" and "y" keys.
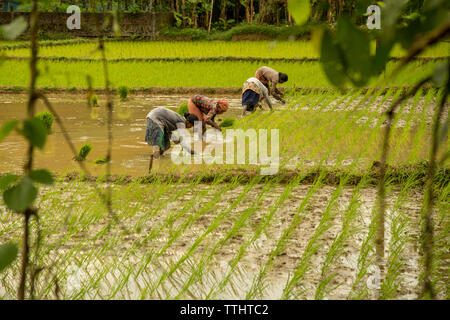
[
  {"x": 161, "y": 122},
  {"x": 270, "y": 78},
  {"x": 253, "y": 92},
  {"x": 201, "y": 105}
]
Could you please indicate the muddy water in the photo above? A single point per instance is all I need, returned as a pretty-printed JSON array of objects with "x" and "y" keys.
[{"x": 130, "y": 153}]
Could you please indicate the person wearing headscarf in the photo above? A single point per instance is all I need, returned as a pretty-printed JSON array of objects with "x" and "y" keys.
[{"x": 206, "y": 109}]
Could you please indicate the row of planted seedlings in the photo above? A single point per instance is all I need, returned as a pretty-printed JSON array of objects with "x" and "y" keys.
[{"x": 413, "y": 178}]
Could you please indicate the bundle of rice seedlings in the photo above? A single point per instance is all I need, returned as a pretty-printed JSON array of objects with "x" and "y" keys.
[
  {"x": 83, "y": 152},
  {"x": 94, "y": 100},
  {"x": 228, "y": 122},
  {"x": 123, "y": 92},
  {"x": 100, "y": 161},
  {"x": 47, "y": 118},
  {"x": 183, "y": 108}
]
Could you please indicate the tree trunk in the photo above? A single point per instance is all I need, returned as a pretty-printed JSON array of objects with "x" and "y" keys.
[
  {"x": 223, "y": 10},
  {"x": 182, "y": 12},
  {"x": 277, "y": 12},
  {"x": 247, "y": 12},
  {"x": 210, "y": 16}
]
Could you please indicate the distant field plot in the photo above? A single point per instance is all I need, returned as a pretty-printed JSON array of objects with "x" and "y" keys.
[
  {"x": 182, "y": 49},
  {"x": 184, "y": 74}
]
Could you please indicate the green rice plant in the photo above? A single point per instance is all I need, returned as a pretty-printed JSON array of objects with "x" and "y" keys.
[
  {"x": 208, "y": 256},
  {"x": 366, "y": 257},
  {"x": 416, "y": 146},
  {"x": 183, "y": 108},
  {"x": 83, "y": 152},
  {"x": 336, "y": 248},
  {"x": 313, "y": 245},
  {"x": 263, "y": 224},
  {"x": 47, "y": 118},
  {"x": 219, "y": 218},
  {"x": 94, "y": 100},
  {"x": 100, "y": 161},
  {"x": 398, "y": 240},
  {"x": 228, "y": 122},
  {"x": 441, "y": 245},
  {"x": 258, "y": 282},
  {"x": 296, "y": 123},
  {"x": 174, "y": 235},
  {"x": 123, "y": 92}
]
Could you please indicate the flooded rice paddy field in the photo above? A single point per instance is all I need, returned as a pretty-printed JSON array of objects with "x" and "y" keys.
[
  {"x": 130, "y": 153},
  {"x": 191, "y": 240},
  {"x": 222, "y": 241}
]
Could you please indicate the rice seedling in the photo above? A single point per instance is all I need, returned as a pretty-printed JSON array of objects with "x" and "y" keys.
[
  {"x": 337, "y": 247},
  {"x": 313, "y": 245},
  {"x": 228, "y": 122},
  {"x": 123, "y": 92},
  {"x": 206, "y": 258},
  {"x": 366, "y": 260},
  {"x": 217, "y": 220},
  {"x": 100, "y": 161},
  {"x": 258, "y": 282},
  {"x": 47, "y": 118},
  {"x": 398, "y": 240},
  {"x": 94, "y": 100},
  {"x": 183, "y": 108},
  {"x": 83, "y": 152}
]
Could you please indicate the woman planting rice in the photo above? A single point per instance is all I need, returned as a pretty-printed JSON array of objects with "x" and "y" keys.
[
  {"x": 200, "y": 105},
  {"x": 161, "y": 122},
  {"x": 253, "y": 92},
  {"x": 269, "y": 76}
]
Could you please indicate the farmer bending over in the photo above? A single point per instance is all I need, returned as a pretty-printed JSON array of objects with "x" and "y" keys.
[
  {"x": 201, "y": 105},
  {"x": 253, "y": 92},
  {"x": 269, "y": 76},
  {"x": 161, "y": 122}
]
